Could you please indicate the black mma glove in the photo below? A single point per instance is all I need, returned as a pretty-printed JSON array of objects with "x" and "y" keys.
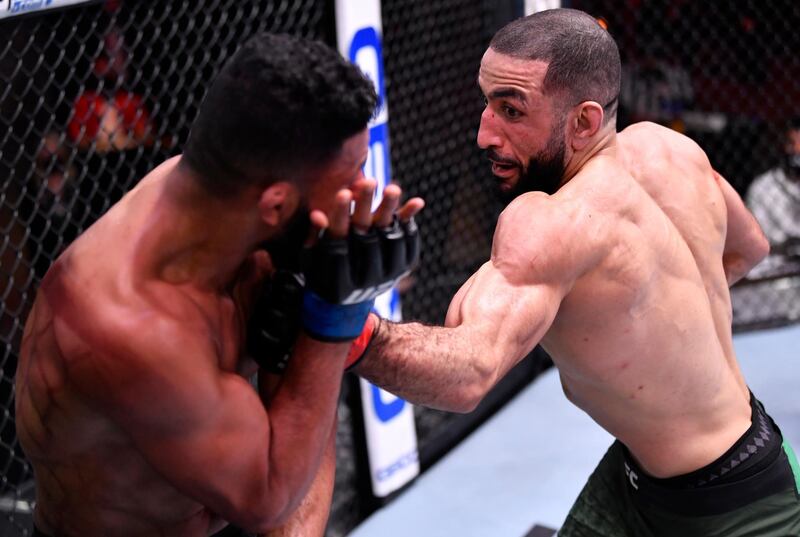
[
  {"x": 275, "y": 321},
  {"x": 380, "y": 256},
  {"x": 343, "y": 277}
]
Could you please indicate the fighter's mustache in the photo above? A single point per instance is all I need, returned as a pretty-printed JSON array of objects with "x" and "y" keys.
[{"x": 495, "y": 157}]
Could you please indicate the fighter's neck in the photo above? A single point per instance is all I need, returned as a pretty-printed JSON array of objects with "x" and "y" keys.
[
  {"x": 192, "y": 238},
  {"x": 605, "y": 144}
]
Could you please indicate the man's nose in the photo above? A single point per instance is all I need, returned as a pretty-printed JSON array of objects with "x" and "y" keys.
[{"x": 487, "y": 134}]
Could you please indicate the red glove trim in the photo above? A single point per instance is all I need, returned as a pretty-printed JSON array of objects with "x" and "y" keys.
[{"x": 361, "y": 344}]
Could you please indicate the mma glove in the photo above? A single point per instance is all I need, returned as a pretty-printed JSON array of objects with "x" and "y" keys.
[
  {"x": 343, "y": 277},
  {"x": 275, "y": 321},
  {"x": 332, "y": 298}
]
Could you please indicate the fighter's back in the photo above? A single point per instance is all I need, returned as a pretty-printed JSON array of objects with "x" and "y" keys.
[
  {"x": 73, "y": 446},
  {"x": 677, "y": 174},
  {"x": 72, "y": 443},
  {"x": 642, "y": 339}
]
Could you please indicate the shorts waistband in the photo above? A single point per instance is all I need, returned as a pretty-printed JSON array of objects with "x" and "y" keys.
[{"x": 710, "y": 493}]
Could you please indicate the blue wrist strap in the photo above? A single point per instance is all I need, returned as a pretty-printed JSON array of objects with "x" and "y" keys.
[{"x": 333, "y": 322}]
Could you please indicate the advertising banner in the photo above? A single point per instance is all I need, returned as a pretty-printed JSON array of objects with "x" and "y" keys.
[
  {"x": 388, "y": 420},
  {"x": 9, "y": 8}
]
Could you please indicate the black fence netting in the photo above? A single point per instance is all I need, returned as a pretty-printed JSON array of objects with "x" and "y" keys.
[
  {"x": 432, "y": 52},
  {"x": 727, "y": 74},
  {"x": 93, "y": 97}
]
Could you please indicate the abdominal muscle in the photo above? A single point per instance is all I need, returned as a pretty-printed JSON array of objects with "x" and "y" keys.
[
  {"x": 661, "y": 385},
  {"x": 663, "y": 444}
]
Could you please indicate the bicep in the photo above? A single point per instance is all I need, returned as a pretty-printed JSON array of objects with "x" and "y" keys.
[
  {"x": 511, "y": 317},
  {"x": 453, "y": 317},
  {"x": 515, "y": 297}
]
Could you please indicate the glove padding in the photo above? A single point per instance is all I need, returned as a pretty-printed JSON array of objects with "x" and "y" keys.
[
  {"x": 275, "y": 321},
  {"x": 343, "y": 277}
]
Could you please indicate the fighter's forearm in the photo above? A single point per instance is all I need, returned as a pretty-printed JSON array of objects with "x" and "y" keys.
[
  {"x": 311, "y": 517},
  {"x": 439, "y": 367},
  {"x": 302, "y": 413}
]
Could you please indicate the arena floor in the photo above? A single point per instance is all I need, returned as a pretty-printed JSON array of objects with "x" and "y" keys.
[{"x": 525, "y": 466}]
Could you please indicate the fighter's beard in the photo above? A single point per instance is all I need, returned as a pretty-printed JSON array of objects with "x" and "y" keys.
[
  {"x": 544, "y": 172},
  {"x": 285, "y": 250}
]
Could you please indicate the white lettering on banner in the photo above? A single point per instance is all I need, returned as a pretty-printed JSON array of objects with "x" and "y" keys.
[
  {"x": 388, "y": 420},
  {"x": 21, "y": 7}
]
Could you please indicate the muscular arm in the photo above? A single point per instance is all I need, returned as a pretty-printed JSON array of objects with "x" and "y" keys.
[
  {"x": 311, "y": 517},
  {"x": 206, "y": 431},
  {"x": 495, "y": 320},
  {"x": 745, "y": 243}
]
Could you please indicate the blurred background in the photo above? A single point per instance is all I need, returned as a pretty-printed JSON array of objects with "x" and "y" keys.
[{"x": 95, "y": 95}]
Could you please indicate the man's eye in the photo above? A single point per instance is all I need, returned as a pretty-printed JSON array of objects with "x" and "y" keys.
[{"x": 510, "y": 111}]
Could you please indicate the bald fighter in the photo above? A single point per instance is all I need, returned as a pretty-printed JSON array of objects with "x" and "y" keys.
[
  {"x": 615, "y": 254},
  {"x": 133, "y": 403}
]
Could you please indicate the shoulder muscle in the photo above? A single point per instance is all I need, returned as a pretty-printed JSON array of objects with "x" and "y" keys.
[{"x": 543, "y": 240}]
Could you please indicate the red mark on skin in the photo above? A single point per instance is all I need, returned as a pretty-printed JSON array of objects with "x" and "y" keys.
[
  {"x": 624, "y": 365},
  {"x": 586, "y": 339},
  {"x": 641, "y": 387}
]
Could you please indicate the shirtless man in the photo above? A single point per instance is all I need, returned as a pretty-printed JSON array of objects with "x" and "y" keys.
[
  {"x": 133, "y": 402},
  {"x": 615, "y": 254}
]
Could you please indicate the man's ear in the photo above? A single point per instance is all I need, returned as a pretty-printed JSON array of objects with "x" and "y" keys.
[
  {"x": 585, "y": 121},
  {"x": 276, "y": 200}
]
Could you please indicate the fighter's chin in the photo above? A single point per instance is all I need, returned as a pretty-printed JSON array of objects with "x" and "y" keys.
[
  {"x": 507, "y": 178},
  {"x": 505, "y": 187}
]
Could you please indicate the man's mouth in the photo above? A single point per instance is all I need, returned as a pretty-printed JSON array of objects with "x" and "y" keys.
[
  {"x": 504, "y": 170},
  {"x": 502, "y": 167}
]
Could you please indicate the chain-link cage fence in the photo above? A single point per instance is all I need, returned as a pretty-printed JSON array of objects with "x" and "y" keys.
[
  {"x": 432, "y": 52},
  {"x": 726, "y": 74},
  {"x": 93, "y": 97}
]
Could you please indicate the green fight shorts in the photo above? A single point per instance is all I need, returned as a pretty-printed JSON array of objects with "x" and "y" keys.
[{"x": 752, "y": 490}]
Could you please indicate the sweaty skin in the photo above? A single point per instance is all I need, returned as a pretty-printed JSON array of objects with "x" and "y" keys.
[
  {"x": 622, "y": 276},
  {"x": 132, "y": 399}
]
